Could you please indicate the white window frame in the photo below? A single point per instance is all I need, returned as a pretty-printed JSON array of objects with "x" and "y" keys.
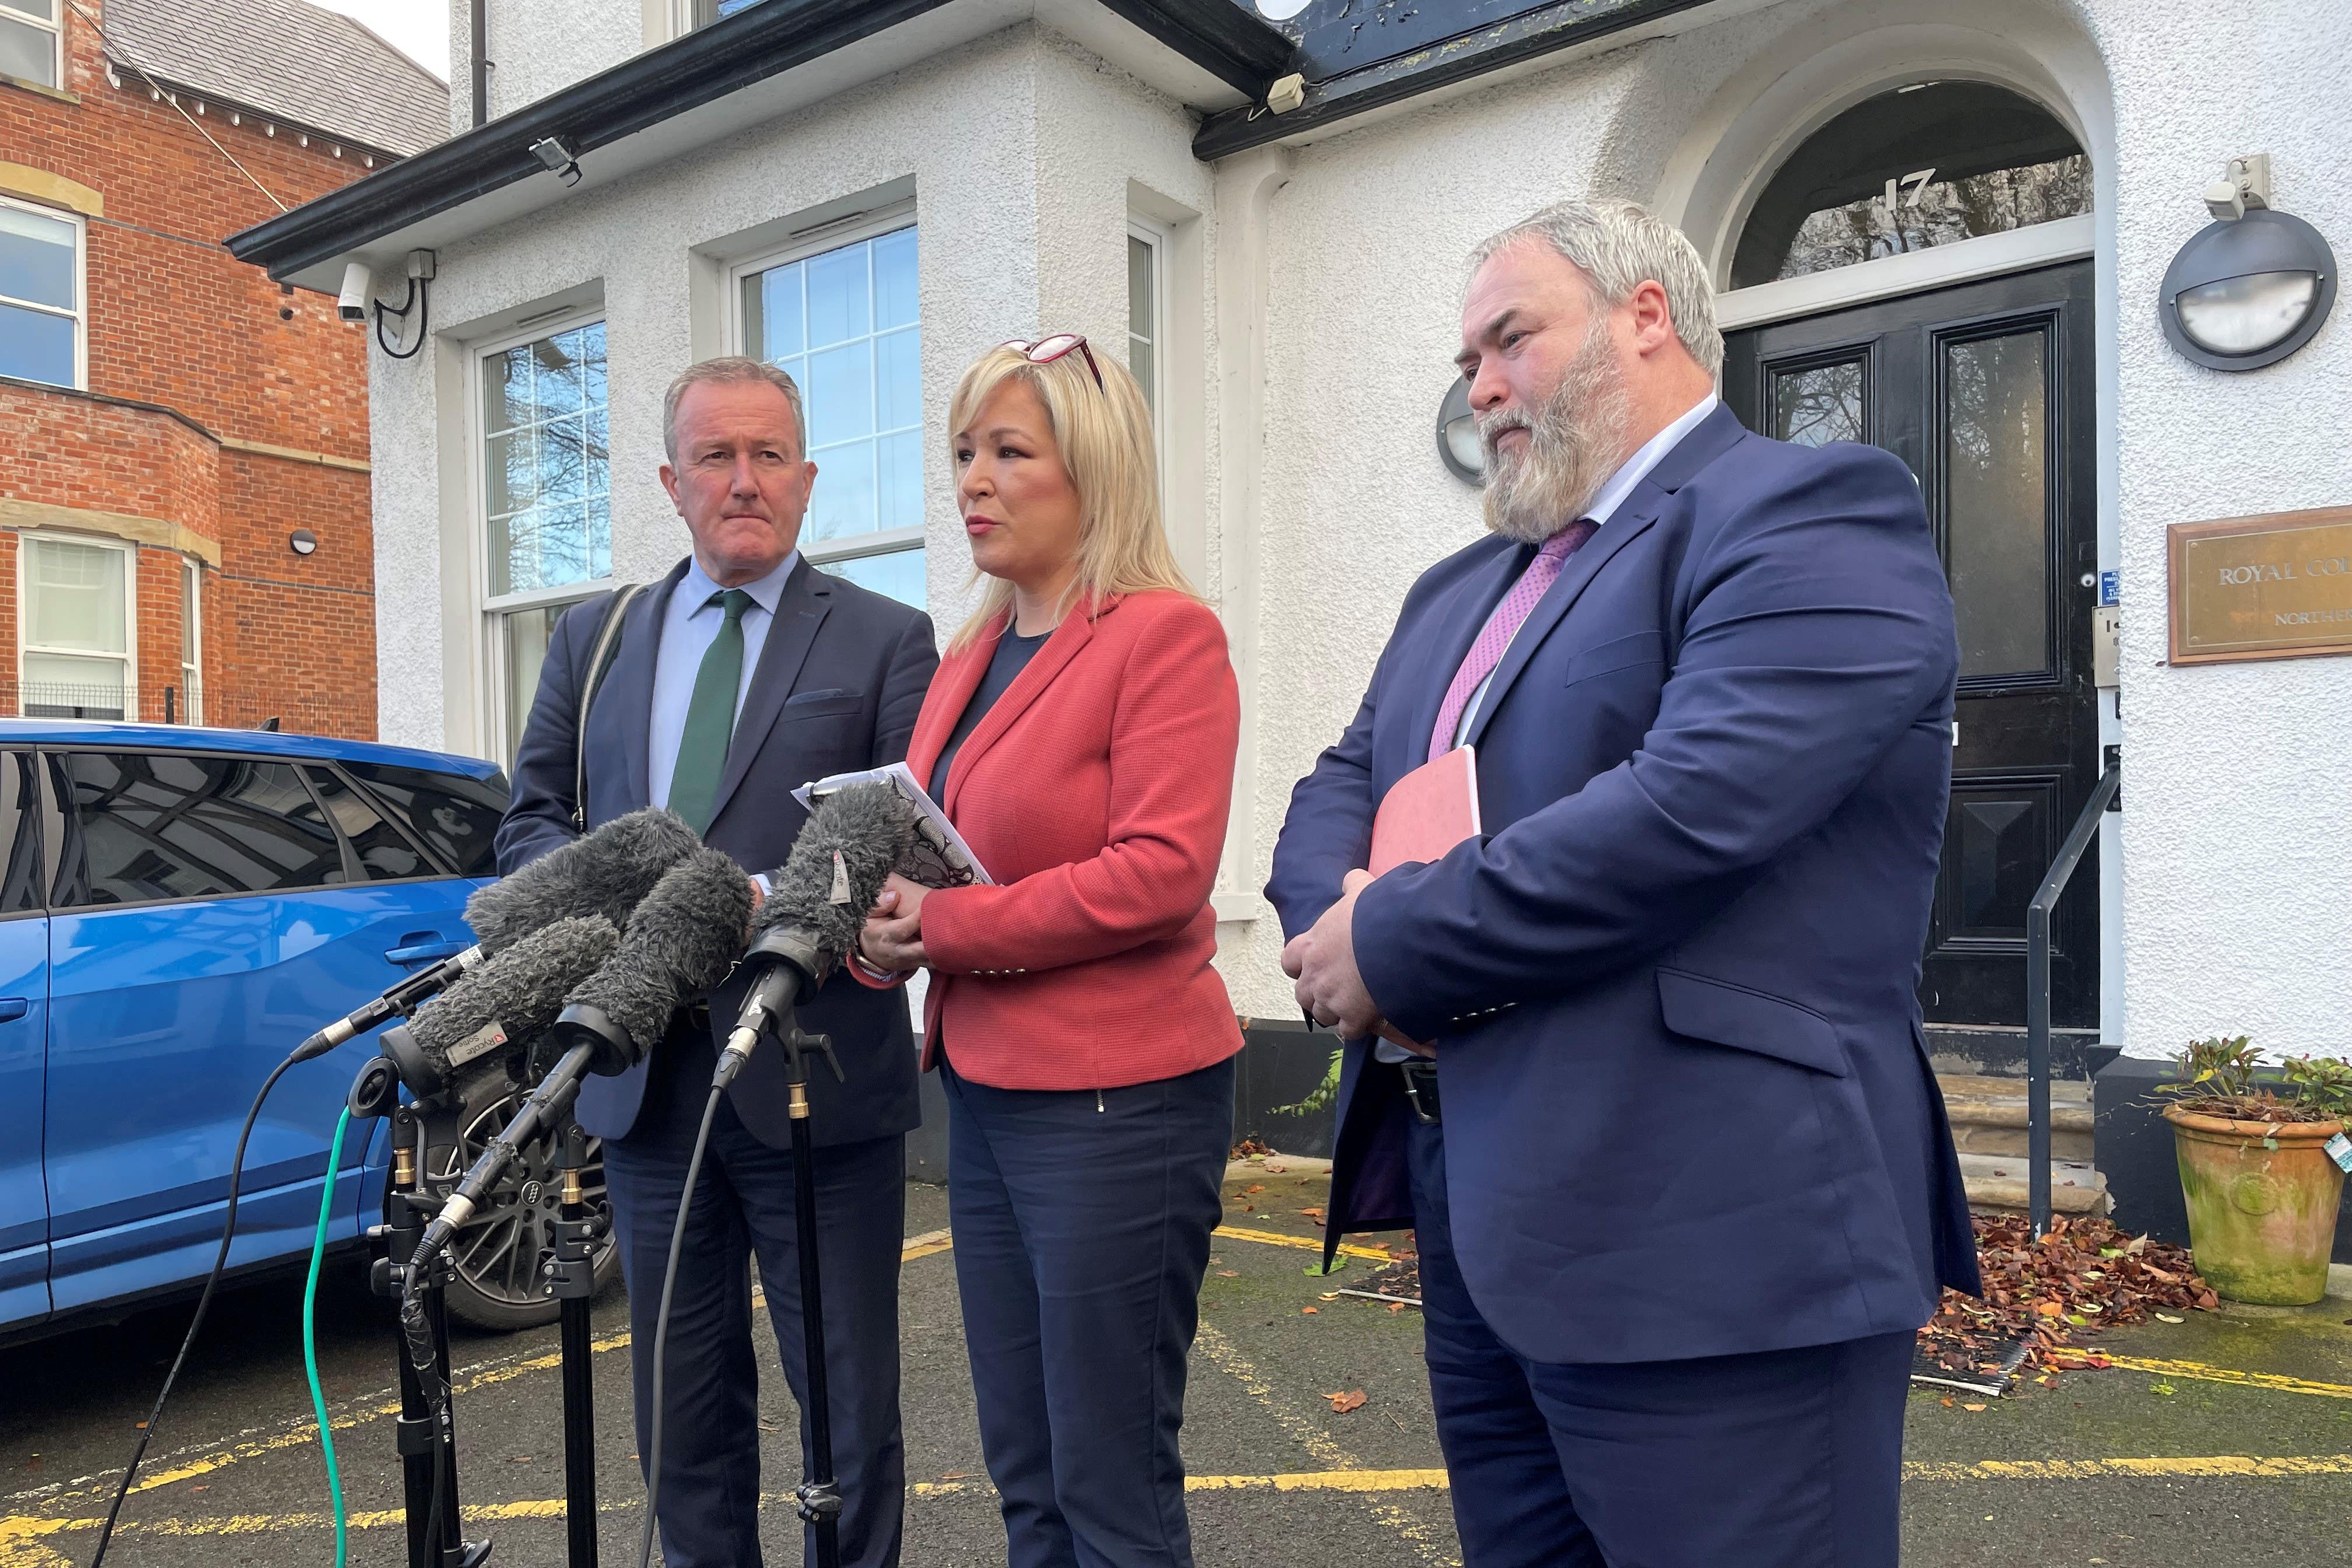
[
  {"x": 192, "y": 660},
  {"x": 79, "y": 314},
  {"x": 490, "y": 610},
  {"x": 26, "y": 542},
  {"x": 1155, "y": 235},
  {"x": 828, "y": 237},
  {"x": 55, "y": 28}
]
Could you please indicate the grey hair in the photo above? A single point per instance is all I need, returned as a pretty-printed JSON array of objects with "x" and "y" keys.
[
  {"x": 730, "y": 370},
  {"x": 1618, "y": 245}
]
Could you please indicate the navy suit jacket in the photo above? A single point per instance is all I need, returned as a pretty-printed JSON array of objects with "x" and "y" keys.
[
  {"x": 837, "y": 687},
  {"x": 1687, "y": 1104}
]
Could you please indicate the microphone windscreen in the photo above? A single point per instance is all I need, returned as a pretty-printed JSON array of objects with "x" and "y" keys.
[
  {"x": 822, "y": 898},
  {"x": 683, "y": 938},
  {"x": 513, "y": 995},
  {"x": 604, "y": 873}
]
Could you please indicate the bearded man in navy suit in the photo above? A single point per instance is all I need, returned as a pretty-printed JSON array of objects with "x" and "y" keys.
[
  {"x": 742, "y": 673},
  {"x": 1643, "y": 1064}
]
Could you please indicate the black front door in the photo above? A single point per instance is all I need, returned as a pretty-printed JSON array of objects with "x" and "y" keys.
[{"x": 1985, "y": 390}]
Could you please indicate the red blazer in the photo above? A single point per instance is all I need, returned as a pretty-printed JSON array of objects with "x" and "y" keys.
[{"x": 1096, "y": 793}]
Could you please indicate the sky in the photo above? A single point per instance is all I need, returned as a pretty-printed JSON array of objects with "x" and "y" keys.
[{"x": 418, "y": 29}]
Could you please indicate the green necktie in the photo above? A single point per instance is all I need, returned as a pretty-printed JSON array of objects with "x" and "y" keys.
[{"x": 709, "y": 717}]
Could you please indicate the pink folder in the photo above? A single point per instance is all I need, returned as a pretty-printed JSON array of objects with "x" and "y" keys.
[{"x": 1427, "y": 812}]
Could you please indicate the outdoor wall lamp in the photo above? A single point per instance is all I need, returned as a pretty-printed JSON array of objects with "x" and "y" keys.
[
  {"x": 1458, "y": 447},
  {"x": 2252, "y": 286},
  {"x": 302, "y": 541}
]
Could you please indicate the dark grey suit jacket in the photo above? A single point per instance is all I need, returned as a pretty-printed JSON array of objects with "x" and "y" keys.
[{"x": 837, "y": 687}]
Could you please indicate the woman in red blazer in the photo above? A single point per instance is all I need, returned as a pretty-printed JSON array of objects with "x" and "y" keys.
[{"x": 1080, "y": 734}]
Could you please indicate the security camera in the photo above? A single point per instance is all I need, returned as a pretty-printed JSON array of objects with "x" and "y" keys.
[{"x": 358, "y": 287}]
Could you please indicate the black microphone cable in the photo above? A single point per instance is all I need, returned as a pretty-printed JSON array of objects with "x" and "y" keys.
[
  {"x": 661, "y": 1323},
  {"x": 203, "y": 1305},
  {"x": 811, "y": 915}
]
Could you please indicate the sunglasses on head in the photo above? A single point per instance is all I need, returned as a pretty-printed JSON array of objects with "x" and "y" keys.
[{"x": 1045, "y": 351}]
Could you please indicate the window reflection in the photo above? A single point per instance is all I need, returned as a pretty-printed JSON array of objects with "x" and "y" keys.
[
  {"x": 1816, "y": 405},
  {"x": 843, "y": 325},
  {"x": 1996, "y": 500},
  {"x": 1909, "y": 169}
]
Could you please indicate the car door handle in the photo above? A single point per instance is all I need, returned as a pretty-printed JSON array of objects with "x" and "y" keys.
[
  {"x": 12, "y": 1008},
  {"x": 423, "y": 947}
]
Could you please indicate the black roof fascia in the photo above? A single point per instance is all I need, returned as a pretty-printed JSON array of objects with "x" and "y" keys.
[
  {"x": 1542, "y": 30},
  {"x": 1246, "y": 52},
  {"x": 707, "y": 64}
]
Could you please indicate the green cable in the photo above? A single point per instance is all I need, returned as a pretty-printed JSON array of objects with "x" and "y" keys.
[{"x": 310, "y": 1340}]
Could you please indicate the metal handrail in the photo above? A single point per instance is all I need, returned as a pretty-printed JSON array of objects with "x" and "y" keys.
[{"x": 2037, "y": 991}]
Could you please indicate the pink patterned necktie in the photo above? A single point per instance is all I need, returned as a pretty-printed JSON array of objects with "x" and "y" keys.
[{"x": 1502, "y": 625}]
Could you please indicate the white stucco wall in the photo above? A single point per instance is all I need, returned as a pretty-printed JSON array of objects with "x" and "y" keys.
[
  {"x": 537, "y": 46},
  {"x": 1311, "y": 491},
  {"x": 2237, "y": 846},
  {"x": 1021, "y": 152},
  {"x": 2232, "y": 904}
]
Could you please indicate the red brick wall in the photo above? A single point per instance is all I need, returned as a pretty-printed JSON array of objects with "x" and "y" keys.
[{"x": 174, "y": 320}]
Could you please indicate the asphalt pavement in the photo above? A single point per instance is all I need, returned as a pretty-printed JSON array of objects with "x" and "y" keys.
[{"x": 2221, "y": 1441}]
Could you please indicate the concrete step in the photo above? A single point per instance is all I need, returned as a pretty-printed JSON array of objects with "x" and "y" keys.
[
  {"x": 1997, "y": 1184},
  {"x": 1988, "y": 1115}
]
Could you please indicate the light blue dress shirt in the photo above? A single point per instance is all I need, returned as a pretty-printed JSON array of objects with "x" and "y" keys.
[{"x": 688, "y": 627}]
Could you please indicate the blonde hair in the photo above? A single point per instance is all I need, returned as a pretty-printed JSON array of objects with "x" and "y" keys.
[{"x": 1103, "y": 435}]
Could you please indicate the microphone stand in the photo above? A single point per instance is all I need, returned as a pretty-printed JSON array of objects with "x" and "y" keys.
[
  {"x": 573, "y": 1276},
  {"x": 426, "y": 1441},
  {"x": 426, "y": 1444},
  {"x": 796, "y": 966},
  {"x": 818, "y": 1497}
]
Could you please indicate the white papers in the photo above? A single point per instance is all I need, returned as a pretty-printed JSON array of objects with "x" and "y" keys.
[{"x": 938, "y": 857}]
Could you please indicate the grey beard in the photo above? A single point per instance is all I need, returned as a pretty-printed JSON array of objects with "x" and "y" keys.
[{"x": 1574, "y": 443}]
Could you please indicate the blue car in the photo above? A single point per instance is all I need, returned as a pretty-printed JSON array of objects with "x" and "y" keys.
[{"x": 179, "y": 908}]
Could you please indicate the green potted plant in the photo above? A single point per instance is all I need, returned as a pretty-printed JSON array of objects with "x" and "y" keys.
[{"x": 2262, "y": 1186}]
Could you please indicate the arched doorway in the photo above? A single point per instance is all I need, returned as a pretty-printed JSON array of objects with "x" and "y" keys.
[{"x": 1986, "y": 388}]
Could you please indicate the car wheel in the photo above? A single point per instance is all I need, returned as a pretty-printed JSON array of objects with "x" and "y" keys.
[{"x": 500, "y": 1257}]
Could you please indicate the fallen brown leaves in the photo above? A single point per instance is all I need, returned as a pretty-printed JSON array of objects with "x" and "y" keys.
[
  {"x": 1342, "y": 1402},
  {"x": 2084, "y": 1274}
]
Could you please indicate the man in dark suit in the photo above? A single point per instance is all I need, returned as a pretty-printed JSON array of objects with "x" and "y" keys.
[
  {"x": 1650, "y": 1082},
  {"x": 743, "y": 674}
]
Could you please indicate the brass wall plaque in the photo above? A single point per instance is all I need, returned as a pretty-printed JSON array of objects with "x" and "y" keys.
[{"x": 2278, "y": 586}]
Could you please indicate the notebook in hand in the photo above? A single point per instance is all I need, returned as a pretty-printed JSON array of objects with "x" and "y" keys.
[
  {"x": 938, "y": 857},
  {"x": 1427, "y": 812}
]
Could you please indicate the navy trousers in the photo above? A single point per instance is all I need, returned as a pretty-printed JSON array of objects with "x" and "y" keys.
[
  {"x": 1082, "y": 1228},
  {"x": 743, "y": 1206},
  {"x": 1780, "y": 1460}
]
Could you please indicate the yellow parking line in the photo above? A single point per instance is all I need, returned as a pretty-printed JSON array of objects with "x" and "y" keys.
[
  {"x": 1220, "y": 1353},
  {"x": 2086, "y": 1469},
  {"x": 2275, "y": 1382},
  {"x": 202, "y": 1460},
  {"x": 1307, "y": 1243}
]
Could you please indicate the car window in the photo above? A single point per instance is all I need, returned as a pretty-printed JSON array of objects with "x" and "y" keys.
[
  {"x": 458, "y": 815},
  {"x": 142, "y": 827},
  {"x": 20, "y": 832},
  {"x": 383, "y": 849}
]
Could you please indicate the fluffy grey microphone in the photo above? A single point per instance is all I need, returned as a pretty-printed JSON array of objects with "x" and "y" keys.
[
  {"x": 606, "y": 873},
  {"x": 816, "y": 902},
  {"x": 683, "y": 938},
  {"x": 836, "y": 871},
  {"x": 511, "y": 998}
]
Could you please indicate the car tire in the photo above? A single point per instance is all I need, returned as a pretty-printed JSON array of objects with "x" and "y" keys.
[{"x": 500, "y": 1258}]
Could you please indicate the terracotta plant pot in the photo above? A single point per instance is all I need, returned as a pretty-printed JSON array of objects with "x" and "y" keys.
[{"x": 2261, "y": 1219}]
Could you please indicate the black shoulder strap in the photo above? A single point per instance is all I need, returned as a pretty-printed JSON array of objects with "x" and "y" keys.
[{"x": 600, "y": 659}]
